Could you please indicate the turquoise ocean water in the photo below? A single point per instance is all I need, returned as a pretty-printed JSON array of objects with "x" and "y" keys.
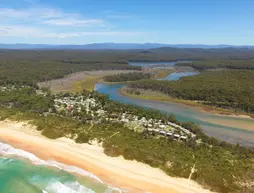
[{"x": 23, "y": 172}]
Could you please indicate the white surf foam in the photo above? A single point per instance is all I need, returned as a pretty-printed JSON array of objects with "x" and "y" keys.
[
  {"x": 6, "y": 149},
  {"x": 78, "y": 187},
  {"x": 113, "y": 189},
  {"x": 55, "y": 186},
  {"x": 5, "y": 159},
  {"x": 68, "y": 187}
]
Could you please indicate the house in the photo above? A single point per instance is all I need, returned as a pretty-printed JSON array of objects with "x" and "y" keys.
[
  {"x": 155, "y": 126},
  {"x": 162, "y": 132},
  {"x": 162, "y": 126},
  {"x": 176, "y": 136},
  {"x": 183, "y": 137},
  {"x": 69, "y": 108}
]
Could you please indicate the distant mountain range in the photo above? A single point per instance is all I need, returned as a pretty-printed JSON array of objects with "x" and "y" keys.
[{"x": 115, "y": 46}]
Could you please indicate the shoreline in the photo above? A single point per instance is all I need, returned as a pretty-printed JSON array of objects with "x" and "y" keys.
[
  {"x": 121, "y": 173},
  {"x": 158, "y": 73},
  {"x": 201, "y": 107},
  {"x": 67, "y": 83}
]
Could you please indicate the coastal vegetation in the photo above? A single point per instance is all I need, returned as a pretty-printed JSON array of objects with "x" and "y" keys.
[
  {"x": 31, "y": 72},
  {"x": 25, "y": 98},
  {"x": 146, "y": 74},
  {"x": 215, "y": 64},
  {"x": 127, "y": 77},
  {"x": 79, "y": 81},
  {"x": 32, "y": 66},
  {"x": 162, "y": 73},
  {"x": 158, "y": 96},
  {"x": 85, "y": 117},
  {"x": 87, "y": 84},
  {"x": 231, "y": 89},
  {"x": 135, "y": 133}
]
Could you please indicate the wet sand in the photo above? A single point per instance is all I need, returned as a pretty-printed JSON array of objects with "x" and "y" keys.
[
  {"x": 242, "y": 124},
  {"x": 124, "y": 174}
]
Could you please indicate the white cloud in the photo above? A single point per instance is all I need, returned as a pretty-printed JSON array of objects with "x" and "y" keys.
[
  {"x": 73, "y": 22},
  {"x": 32, "y": 16},
  {"x": 48, "y": 16},
  {"x": 12, "y": 13},
  {"x": 53, "y": 23},
  {"x": 91, "y": 33},
  {"x": 21, "y": 31}
]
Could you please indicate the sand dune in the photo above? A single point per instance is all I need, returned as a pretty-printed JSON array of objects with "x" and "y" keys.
[{"x": 130, "y": 175}]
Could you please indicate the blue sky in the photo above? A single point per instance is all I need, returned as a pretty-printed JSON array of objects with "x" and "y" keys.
[{"x": 127, "y": 21}]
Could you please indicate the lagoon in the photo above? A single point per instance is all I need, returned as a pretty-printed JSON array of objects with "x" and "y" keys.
[
  {"x": 232, "y": 129},
  {"x": 178, "y": 75}
]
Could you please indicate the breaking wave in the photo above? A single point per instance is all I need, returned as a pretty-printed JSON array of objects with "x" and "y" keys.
[
  {"x": 54, "y": 185},
  {"x": 6, "y": 149},
  {"x": 68, "y": 187}
]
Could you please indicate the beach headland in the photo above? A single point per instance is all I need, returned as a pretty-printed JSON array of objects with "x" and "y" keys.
[{"x": 118, "y": 172}]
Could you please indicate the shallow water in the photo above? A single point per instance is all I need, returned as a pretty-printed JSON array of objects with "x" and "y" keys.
[
  {"x": 222, "y": 127},
  {"x": 209, "y": 122},
  {"x": 178, "y": 75},
  {"x": 23, "y": 172},
  {"x": 149, "y": 64},
  {"x": 159, "y": 63}
]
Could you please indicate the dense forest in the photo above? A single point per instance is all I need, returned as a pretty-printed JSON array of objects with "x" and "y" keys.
[
  {"x": 32, "y": 66},
  {"x": 159, "y": 54},
  {"x": 220, "y": 166},
  {"x": 26, "y": 99},
  {"x": 215, "y": 64},
  {"x": 227, "y": 89},
  {"x": 214, "y": 160},
  {"x": 125, "y": 77},
  {"x": 31, "y": 72}
]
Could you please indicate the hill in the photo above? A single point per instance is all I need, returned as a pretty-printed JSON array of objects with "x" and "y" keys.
[{"x": 114, "y": 46}]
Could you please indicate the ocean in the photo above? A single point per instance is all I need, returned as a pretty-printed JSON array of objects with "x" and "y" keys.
[{"x": 23, "y": 172}]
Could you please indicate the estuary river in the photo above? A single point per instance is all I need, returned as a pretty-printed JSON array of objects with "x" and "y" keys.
[{"x": 232, "y": 129}]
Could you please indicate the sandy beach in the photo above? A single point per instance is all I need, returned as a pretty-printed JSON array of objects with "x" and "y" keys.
[{"x": 118, "y": 172}]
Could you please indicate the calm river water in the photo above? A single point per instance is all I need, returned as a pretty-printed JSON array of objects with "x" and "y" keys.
[{"x": 232, "y": 129}]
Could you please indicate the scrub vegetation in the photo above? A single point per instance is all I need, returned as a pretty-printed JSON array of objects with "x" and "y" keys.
[
  {"x": 230, "y": 89},
  {"x": 127, "y": 77},
  {"x": 220, "y": 166},
  {"x": 32, "y": 66},
  {"x": 87, "y": 84},
  {"x": 215, "y": 64}
]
